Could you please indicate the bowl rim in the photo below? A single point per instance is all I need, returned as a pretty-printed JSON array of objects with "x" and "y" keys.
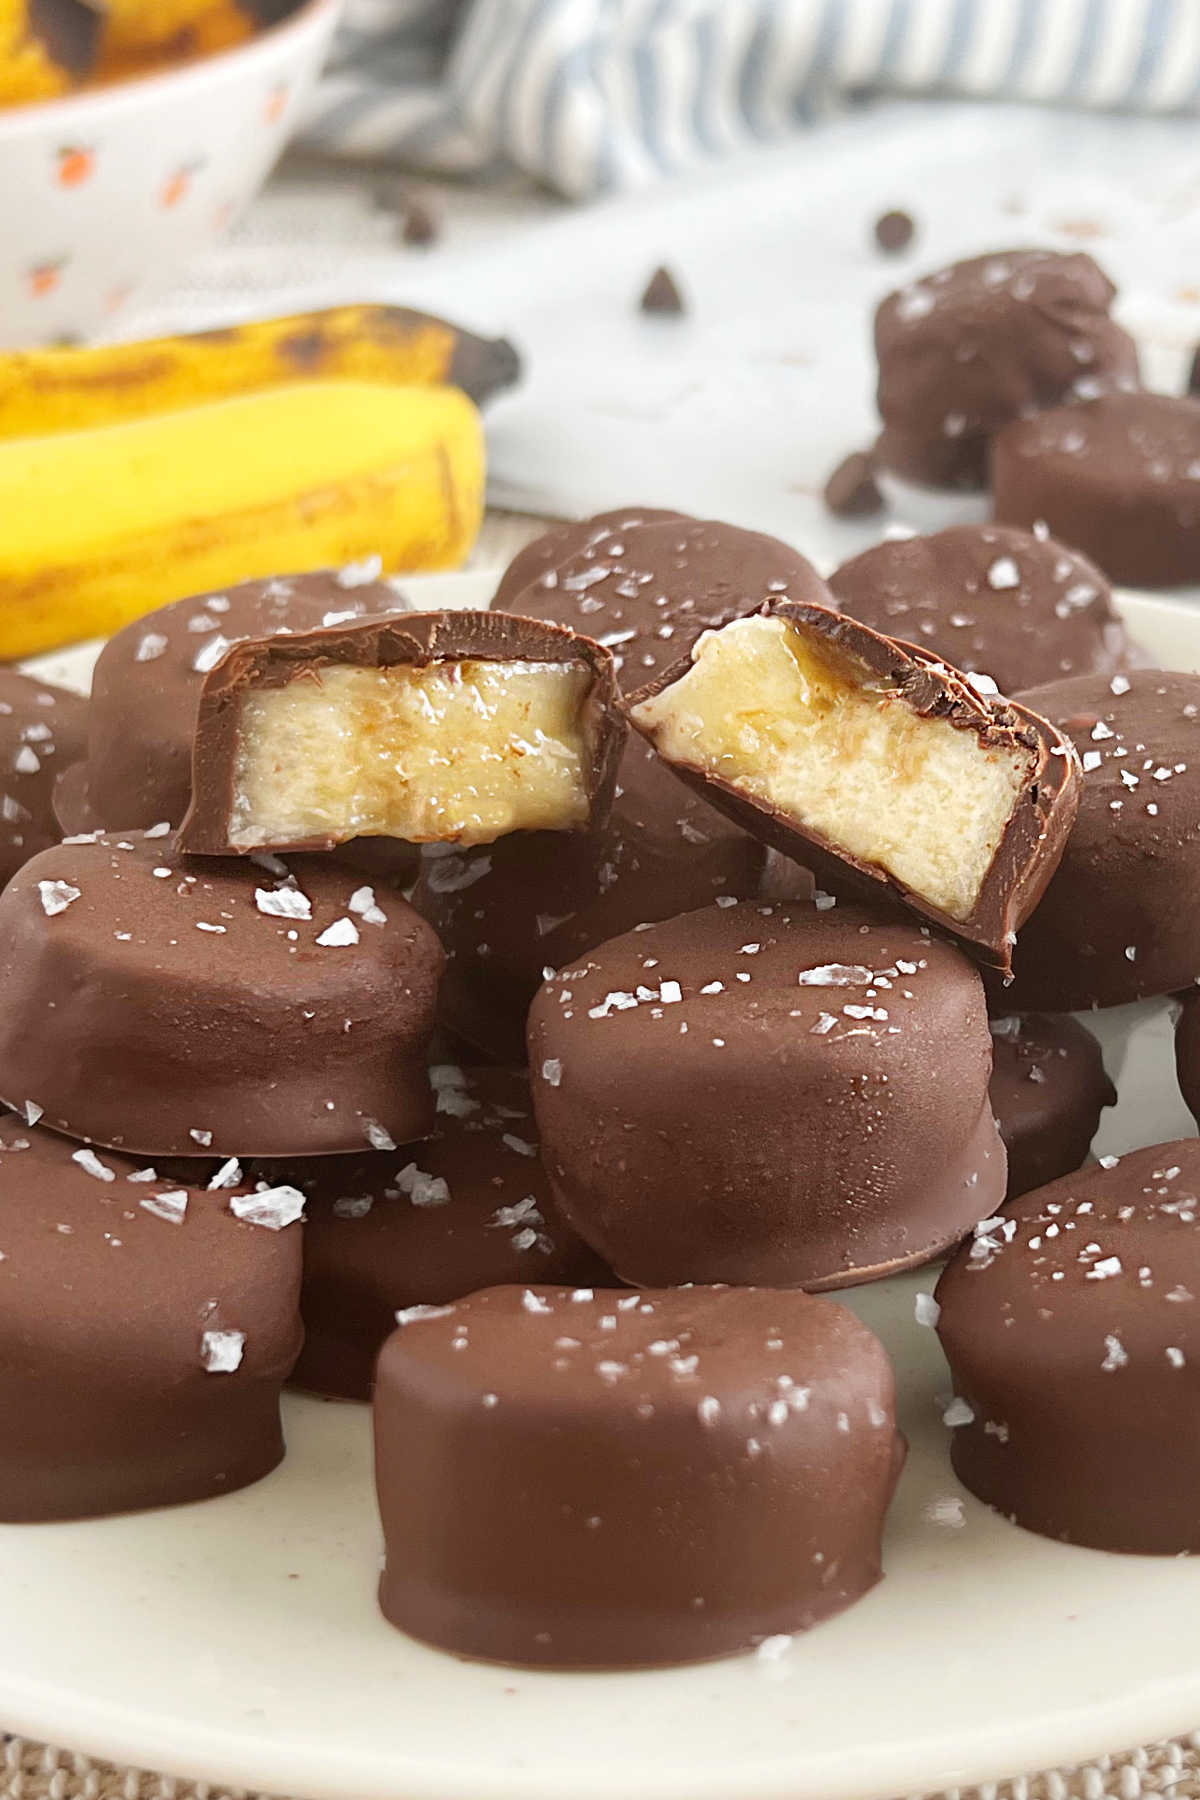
[{"x": 307, "y": 20}]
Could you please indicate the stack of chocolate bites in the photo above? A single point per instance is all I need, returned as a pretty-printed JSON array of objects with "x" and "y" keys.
[{"x": 738, "y": 967}]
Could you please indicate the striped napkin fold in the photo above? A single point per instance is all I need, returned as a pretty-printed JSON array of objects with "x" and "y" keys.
[{"x": 592, "y": 96}]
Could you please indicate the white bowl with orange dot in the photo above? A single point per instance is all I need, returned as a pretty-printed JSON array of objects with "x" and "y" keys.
[{"x": 106, "y": 191}]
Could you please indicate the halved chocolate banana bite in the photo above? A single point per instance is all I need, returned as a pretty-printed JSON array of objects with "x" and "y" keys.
[
  {"x": 874, "y": 764},
  {"x": 442, "y": 727}
]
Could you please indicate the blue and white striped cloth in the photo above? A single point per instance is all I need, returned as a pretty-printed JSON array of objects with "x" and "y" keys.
[{"x": 589, "y": 96}]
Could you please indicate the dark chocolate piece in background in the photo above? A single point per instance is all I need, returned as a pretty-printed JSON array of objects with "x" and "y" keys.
[
  {"x": 968, "y": 348},
  {"x": 145, "y": 1333},
  {"x": 410, "y": 640},
  {"x": 174, "y": 1007},
  {"x": 646, "y": 583},
  {"x": 1193, "y": 379},
  {"x": 468, "y": 1208},
  {"x": 1072, "y": 1328},
  {"x": 1187, "y": 1051},
  {"x": 894, "y": 231},
  {"x": 1031, "y": 844},
  {"x": 1116, "y": 923},
  {"x": 661, "y": 294},
  {"x": 852, "y": 491},
  {"x": 991, "y": 600},
  {"x": 43, "y": 729},
  {"x": 1119, "y": 477},
  {"x": 595, "y": 1479},
  {"x": 1048, "y": 1089},
  {"x": 754, "y": 1093}
]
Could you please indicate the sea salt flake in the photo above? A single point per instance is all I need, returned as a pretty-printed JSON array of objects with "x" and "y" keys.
[
  {"x": 171, "y": 1206},
  {"x": 709, "y": 1410},
  {"x": 56, "y": 896},
  {"x": 1175, "y": 1357},
  {"x": 1119, "y": 684},
  {"x": 1115, "y": 1354},
  {"x": 377, "y": 1137},
  {"x": 1101, "y": 731},
  {"x": 221, "y": 1351},
  {"x": 362, "y": 901},
  {"x": 1108, "y": 1162},
  {"x": 670, "y": 993},
  {"x": 450, "y": 874},
  {"x": 90, "y": 1163},
  {"x": 26, "y": 761},
  {"x": 774, "y": 1648},
  {"x": 360, "y": 574},
  {"x": 210, "y": 654},
  {"x": 552, "y": 1071},
  {"x": 32, "y": 1112},
  {"x": 959, "y": 1412},
  {"x": 1003, "y": 573},
  {"x": 926, "y": 1310},
  {"x": 203, "y": 1138},
  {"x": 947, "y": 1510},
  {"x": 283, "y": 903},
  {"x": 835, "y": 975},
  {"x": 339, "y": 935},
  {"x": 422, "y": 1188},
  {"x": 151, "y": 647},
  {"x": 273, "y": 1208},
  {"x": 533, "y": 1303},
  {"x": 408, "y": 1315},
  {"x": 1092, "y": 760}
]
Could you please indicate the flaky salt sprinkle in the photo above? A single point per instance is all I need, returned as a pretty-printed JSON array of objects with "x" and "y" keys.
[
  {"x": 221, "y": 1351},
  {"x": 361, "y": 573},
  {"x": 283, "y": 903},
  {"x": 362, "y": 901},
  {"x": 272, "y": 1208},
  {"x": 201, "y": 1137},
  {"x": 670, "y": 993},
  {"x": 926, "y": 1310},
  {"x": 422, "y": 1188},
  {"x": 377, "y": 1137},
  {"x": 774, "y": 1648},
  {"x": 210, "y": 654},
  {"x": 835, "y": 975},
  {"x": 90, "y": 1163},
  {"x": 56, "y": 896},
  {"x": 409, "y": 1315},
  {"x": 1115, "y": 1354},
  {"x": 151, "y": 647},
  {"x": 959, "y": 1412},
  {"x": 339, "y": 935},
  {"x": 533, "y": 1303},
  {"x": 1003, "y": 573},
  {"x": 171, "y": 1206},
  {"x": 552, "y": 1071},
  {"x": 31, "y": 1111},
  {"x": 1119, "y": 684},
  {"x": 228, "y": 1175}
]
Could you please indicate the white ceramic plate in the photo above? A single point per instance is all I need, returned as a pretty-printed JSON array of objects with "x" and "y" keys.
[{"x": 239, "y": 1641}]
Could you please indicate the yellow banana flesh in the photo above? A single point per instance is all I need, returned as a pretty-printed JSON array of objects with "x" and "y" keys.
[{"x": 100, "y": 526}]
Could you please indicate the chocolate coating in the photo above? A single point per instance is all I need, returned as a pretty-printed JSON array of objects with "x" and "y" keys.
[
  {"x": 1187, "y": 1052},
  {"x": 991, "y": 600},
  {"x": 414, "y": 640},
  {"x": 171, "y": 1015},
  {"x": 1072, "y": 1329},
  {"x": 1119, "y": 477},
  {"x": 469, "y": 1208},
  {"x": 146, "y": 688},
  {"x": 505, "y": 913},
  {"x": 968, "y": 348},
  {"x": 42, "y": 730},
  {"x": 109, "y": 1397},
  {"x": 1111, "y": 926},
  {"x": 754, "y": 1092},
  {"x": 1032, "y": 841},
  {"x": 606, "y": 1480},
  {"x": 1048, "y": 1089}
]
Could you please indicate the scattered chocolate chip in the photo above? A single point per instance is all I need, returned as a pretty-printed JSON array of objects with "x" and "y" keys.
[
  {"x": 662, "y": 294},
  {"x": 420, "y": 225},
  {"x": 1193, "y": 380},
  {"x": 852, "y": 491},
  {"x": 894, "y": 232}
]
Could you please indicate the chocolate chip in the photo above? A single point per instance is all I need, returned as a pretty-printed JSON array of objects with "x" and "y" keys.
[
  {"x": 662, "y": 294},
  {"x": 420, "y": 225},
  {"x": 851, "y": 491},
  {"x": 894, "y": 232},
  {"x": 1193, "y": 380}
]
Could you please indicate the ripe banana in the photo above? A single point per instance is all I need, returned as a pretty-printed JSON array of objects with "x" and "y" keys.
[
  {"x": 99, "y": 526},
  {"x": 43, "y": 391}
]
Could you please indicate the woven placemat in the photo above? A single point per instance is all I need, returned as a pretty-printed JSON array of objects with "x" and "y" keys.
[{"x": 38, "y": 1772}]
